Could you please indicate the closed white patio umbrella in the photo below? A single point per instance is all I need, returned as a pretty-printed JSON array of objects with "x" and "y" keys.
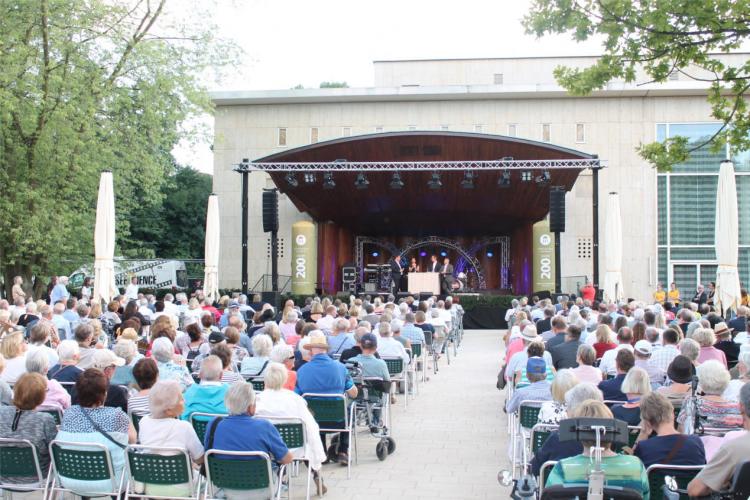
[
  {"x": 727, "y": 294},
  {"x": 613, "y": 250},
  {"x": 104, "y": 241},
  {"x": 211, "y": 278}
]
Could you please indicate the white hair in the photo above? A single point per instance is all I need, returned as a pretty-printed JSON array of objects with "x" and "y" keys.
[
  {"x": 396, "y": 325},
  {"x": 125, "y": 349},
  {"x": 239, "y": 397},
  {"x": 564, "y": 381},
  {"x": 291, "y": 316},
  {"x": 281, "y": 352},
  {"x": 162, "y": 350},
  {"x": 68, "y": 350},
  {"x": 163, "y": 396},
  {"x": 384, "y": 329},
  {"x": 31, "y": 307},
  {"x": 37, "y": 362},
  {"x": 275, "y": 376},
  {"x": 713, "y": 377},
  {"x": 342, "y": 324},
  {"x": 636, "y": 382},
  {"x": 262, "y": 345},
  {"x": 580, "y": 393},
  {"x": 744, "y": 358},
  {"x": 690, "y": 348},
  {"x": 211, "y": 369}
]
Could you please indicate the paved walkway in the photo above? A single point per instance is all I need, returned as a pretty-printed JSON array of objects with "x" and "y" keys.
[{"x": 451, "y": 441}]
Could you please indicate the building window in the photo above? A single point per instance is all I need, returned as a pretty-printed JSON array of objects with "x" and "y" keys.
[
  {"x": 580, "y": 133},
  {"x": 443, "y": 127},
  {"x": 412, "y": 127},
  {"x": 546, "y": 134},
  {"x": 584, "y": 248},
  {"x": 478, "y": 128},
  {"x": 313, "y": 135},
  {"x": 282, "y": 136},
  {"x": 498, "y": 79},
  {"x": 346, "y": 131},
  {"x": 512, "y": 130},
  {"x": 378, "y": 129},
  {"x": 280, "y": 242},
  {"x": 674, "y": 76}
]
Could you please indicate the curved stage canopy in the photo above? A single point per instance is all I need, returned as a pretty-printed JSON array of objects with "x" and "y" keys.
[{"x": 416, "y": 210}]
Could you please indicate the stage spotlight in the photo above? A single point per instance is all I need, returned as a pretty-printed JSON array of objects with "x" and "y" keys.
[
  {"x": 526, "y": 176},
  {"x": 309, "y": 177},
  {"x": 544, "y": 178},
  {"x": 435, "y": 182},
  {"x": 291, "y": 179},
  {"x": 468, "y": 182},
  {"x": 361, "y": 182},
  {"x": 504, "y": 180},
  {"x": 328, "y": 182},
  {"x": 490, "y": 254},
  {"x": 375, "y": 254},
  {"x": 507, "y": 158},
  {"x": 443, "y": 253},
  {"x": 396, "y": 182},
  {"x": 423, "y": 254}
]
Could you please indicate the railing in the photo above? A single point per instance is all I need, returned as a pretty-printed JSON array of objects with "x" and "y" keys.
[{"x": 264, "y": 284}]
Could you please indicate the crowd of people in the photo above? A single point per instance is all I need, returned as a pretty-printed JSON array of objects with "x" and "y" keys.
[
  {"x": 157, "y": 362},
  {"x": 676, "y": 374}
]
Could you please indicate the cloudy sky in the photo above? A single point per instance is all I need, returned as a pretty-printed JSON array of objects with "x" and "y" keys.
[{"x": 290, "y": 42}]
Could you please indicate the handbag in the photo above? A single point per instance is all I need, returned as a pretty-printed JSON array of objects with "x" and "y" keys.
[{"x": 501, "y": 379}]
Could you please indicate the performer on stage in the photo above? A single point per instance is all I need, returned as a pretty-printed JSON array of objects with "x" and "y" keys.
[
  {"x": 434, "y": 266},
  {"x": 446, "y": 273},
  {"x": 396, "y": 272},
  {"x": 413, "y": 267}
]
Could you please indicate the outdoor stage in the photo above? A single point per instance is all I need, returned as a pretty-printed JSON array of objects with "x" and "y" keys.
[{"x": 473, "y": 198}]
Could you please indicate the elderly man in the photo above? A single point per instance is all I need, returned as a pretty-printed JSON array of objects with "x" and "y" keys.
[
  {"x": 66, "y": 369},
  {"x": 718, "y": 473},
  {"x": 40, "y": 335},
  {"x": 339, "y": 340},
  {"x": 624, "y": 339},
  {"x": 30, "y": 317},
  {"x": 322, "y": 375},
  {"x": 106, "y": 361},
  {"x": 60, "y": 292},
  {"x": 63, "y": 325},
  {"x": 396, "y": 333},
  {"x": 372, "y": 367},
  {"x": 540, "y": 388},
  {"x": 642, "y": 352},
  {"x": 356, "y": 349},
  {"x": 556, "y": 336},
  {"x": 410, "y": 331},
  {"x": 624, "y": 361},
  {"x": 565, "y": 355},
  {"x": 388, "y": 347},
  {"x": 208, "y": 395},
  {"x": 662, "y": 357},
  {"x": 232, "y": 310},
  {"x": 519, "y": 359},
  {"x": 84, "y": 336}
]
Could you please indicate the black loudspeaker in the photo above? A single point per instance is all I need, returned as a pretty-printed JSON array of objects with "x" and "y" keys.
[
  {"x": 348, "y": 274},
  {"x": 270, "y": 211},
  {"x": 557, "y": 210},
  {"x": 273, "y": 298},
  {"x": 544, "y": 294}
]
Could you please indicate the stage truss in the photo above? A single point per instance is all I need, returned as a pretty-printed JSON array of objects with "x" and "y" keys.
[{"x": 404, "y": 166}]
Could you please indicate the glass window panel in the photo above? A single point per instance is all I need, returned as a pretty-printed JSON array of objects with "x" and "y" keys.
[
  {"x": 695, "y": 253},
  {"x": 702, "y": 159},
  {"x": 744, "y": 265},
  {"x": 708, "y": 273},
  {"x": 661, "y": 132},
  {"x": 692, "y": 204},
  {"x": 743, "y": 207},
  {"x": 686, "y": 277},
  {"x": 661, "y": 200},
  {"x": 661, "y": 270}
]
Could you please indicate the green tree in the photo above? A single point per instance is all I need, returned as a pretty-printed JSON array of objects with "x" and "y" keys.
[
  {"x": 661, "y": 37},
  {"x": 87, "y": 86},
  {"x": 334, "y": 85}
]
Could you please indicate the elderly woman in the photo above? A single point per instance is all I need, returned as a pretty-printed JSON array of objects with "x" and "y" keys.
[
  {"x": 284, "y": 354},
  {"x": 228, "y": 373},
  {"x": 586, "y": 371},
  {"x": 241, "y": 431},
  {"x": 635, "y": 386},
  {"x": 145, "y": 373},
  {"x": 56, "y": 397},
  {"x": 553, "y": 411},
  {"x": 163, "y": 428},
  {"x": 189, "y": 344},
  {"x": 288, "y": 327},
  {"x": 271, "y": 329},
  {"x": 127, "y": 350},
  {"x": 13, "y": 349},
  {"x": 668, "y": 445},
  {"x": 277, "y": 401},
  {"x": 690, "y": 349},
  {"x": 20, "y": 421},
  {"x": 255, "y": 366},
  {"x": 41, "y": 334},
  {"x": 680, "y": 372},
  {"x": 713, "y": 409},
  {"x": 162, "y": 351},
  {"x": 706, "y": 339},
  {"x": 630, "y": 472},
  {"x": 85, "y": 422},
  {"x": 604, "y": 340},
  {"x": 66, "y": 369},
  {"x": 316, "y": 312},
  {"x": 233, "y": 343},
  {"x": 732, "y": 393}
]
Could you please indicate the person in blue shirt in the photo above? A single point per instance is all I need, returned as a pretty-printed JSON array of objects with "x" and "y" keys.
[
  {"x": 339, "y": 340},
  {"x": 611, "y": 389},
  {"x": 241, "y": 431},
  {"x": 207, "y": 396},
  {"x": 232, "y": 310},
  {"x": 372, "y": 367},
  {"x": 324, "y": 375}
]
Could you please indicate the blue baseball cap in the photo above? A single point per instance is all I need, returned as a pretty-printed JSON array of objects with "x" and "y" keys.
[
  {"x": 368, "y": 341},
  {"x": 536, "y": 365}
]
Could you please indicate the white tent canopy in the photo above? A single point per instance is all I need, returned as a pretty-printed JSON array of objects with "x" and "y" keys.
[
  {"x": 727, "y": 294},
  {"x": 211, "y": 278},
  {"x": 613, "y": 250},
  {"x": 104, "y": 241}
]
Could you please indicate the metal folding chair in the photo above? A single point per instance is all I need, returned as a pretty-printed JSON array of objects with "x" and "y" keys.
[
  {"x": 398, "y": 373},
  {"x": 199, "y": 421},
  {"x": 19, "y": 459},
  {"x": 292, "y": 431},
  {"x": 159, "y": 466},
  {"x": 683, "y": 474},
  {"x": 544, "y": 473},
  {"x": 82, "y": 462},
  {"x": 240, "y": 470},
  {"x": 332, "y": 415}
]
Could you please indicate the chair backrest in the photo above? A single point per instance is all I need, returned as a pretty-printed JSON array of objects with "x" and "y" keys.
[
  {"x": 82, "y": 461},
  {"x": 740, "y": 487},
  {"x": 236, "y": 470},
  {"x": 19, "y": 459},
  {"x": 416, "y": 348},
  {"x": 292, "y": 430},
  {"x": 68, "y": 386},
  {"x": 199, "y": 421},
  {"x": 395, "y": 365},
  {"x": 528, "y": 413},
  {"x": 164, "y": 466},
  {"x": 566, "y": 492},
  {"x": 328, "y": 408},
  {"x": 539, "y": 434},
  {"x": 56, "y": 414},
  {"x": 136, "y": 419},
  {"x": 258, "y": 384},
  {"x": 544, "y": 471},
  {"x": 683, "y": 474}
]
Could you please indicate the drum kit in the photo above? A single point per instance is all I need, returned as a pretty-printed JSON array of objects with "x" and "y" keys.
[{"x": 459, "y": 283}]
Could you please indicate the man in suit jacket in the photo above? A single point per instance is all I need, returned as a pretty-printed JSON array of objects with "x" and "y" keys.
[
  {"x": 434, "y": 266},
  {"x": 446, "y": 272},
  {"x": 564, "y": 355},
  {"x": 396, "y": 272},
  {"x": 700, "y": 296}
]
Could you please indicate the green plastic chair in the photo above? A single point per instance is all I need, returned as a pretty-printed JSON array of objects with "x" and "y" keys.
[
  {"x": 159, "y": 466},
  {"x": 136, "y": 419},
  {"x": 292, "y": 432},
  {"x": 19, "y": 459},
  {"x": 258, "y": 384},
  {"x": 82, "y": 462},
  {"x": 56, "y": 414},
  {"x": 200, "y": 421},
  {"x": 539, "y": 434},
  {"x": 397, "y": 371},
  {"x": 239, "y": 470},
  {"x": 528, "y": 415},
  {"x": 332, "y": 415},
  {"x": 683, "y": 474}
]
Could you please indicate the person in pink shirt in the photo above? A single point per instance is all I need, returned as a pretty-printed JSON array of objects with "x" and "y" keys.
[
  {"x": 517, "y": 345},
  {"x": 706, "y": 339},
  {"x": 288, "y": 327},
  {"x": 586, "y": 371},
  {"x": 57, "y": 397}
]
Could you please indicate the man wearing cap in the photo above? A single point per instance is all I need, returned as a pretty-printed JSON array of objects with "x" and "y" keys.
[
  {"x": 232, "y": 310},
  {"x": 356, "y": 349},
  {"x": 106, "y": 361},
  {"x": 565, "y": 355},
  {"x": 214, "y": 339},
  {"x": 725, "y": 343},
  {"x": 372, "y": 367},
  {"x": 539, "y": 389},
  {"x": 323, "y": 375},
  {"x": 642, "y": 352},
  {"x": 519, "y": 359}
]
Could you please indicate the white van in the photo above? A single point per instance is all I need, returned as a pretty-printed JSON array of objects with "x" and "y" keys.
[{"x": 151, "y": 274}]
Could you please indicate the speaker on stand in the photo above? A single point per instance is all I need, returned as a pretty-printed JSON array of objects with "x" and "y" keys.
[
  {"x": 557, "y": 226},
  {"x": 271, "y": 225}
]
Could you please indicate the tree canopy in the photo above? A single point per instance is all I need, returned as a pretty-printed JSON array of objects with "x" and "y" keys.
[
  {"x": 87, "y": 86},
  {"x": 661, "y": 37}
]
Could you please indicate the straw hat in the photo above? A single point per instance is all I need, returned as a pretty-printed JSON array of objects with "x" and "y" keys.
[{"x": 317, "y": 340}]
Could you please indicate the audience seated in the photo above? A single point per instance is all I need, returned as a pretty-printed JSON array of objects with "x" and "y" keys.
[
  {"x": 725, "y": 344},
  {"x": 586, "y": 371},
  {"x": 145, "y": 373},
  {"x": 162, "y": 351},
  {"x": 713, "y": 409},
  {"x": 706, "y": 339},
  {"x": 208, "y": 395},
  {"x": 642, "y": 352},
  {"x": 255, "y": 366},
  {"x": 13, "y": 349},
  {"x": 611, "y": 389},
  {"x": 539, "y": 389},
  {"x": 624, "y": 339},
  {"x": 284, "y": 355},
  {"x": 552, "y": 412},
  {"x": 680, "y": 373},
  {"x": 667, "y": 446},
  {"x": 388, "y": 347},
  {"x": 635, "y": 385},
  {"x": 732, "y": 392},
  {"x": 56, "y": 398},
  {"x": 66, "y": 369},
  {"x": 84, "y": 336},
  {"x": 339, "y": 340},
  {"x": 564, "y": 354},
  {"x": 603, "y": 340},
  {"x": 228, "y": 373},
  {"x": 127, "y": 350}
]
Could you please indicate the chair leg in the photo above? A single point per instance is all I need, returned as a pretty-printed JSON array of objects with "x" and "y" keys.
[{"x": 309, "y": 478}]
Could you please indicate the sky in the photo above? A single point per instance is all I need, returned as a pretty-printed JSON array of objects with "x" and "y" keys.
[{"x": 291, "y": 42}]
